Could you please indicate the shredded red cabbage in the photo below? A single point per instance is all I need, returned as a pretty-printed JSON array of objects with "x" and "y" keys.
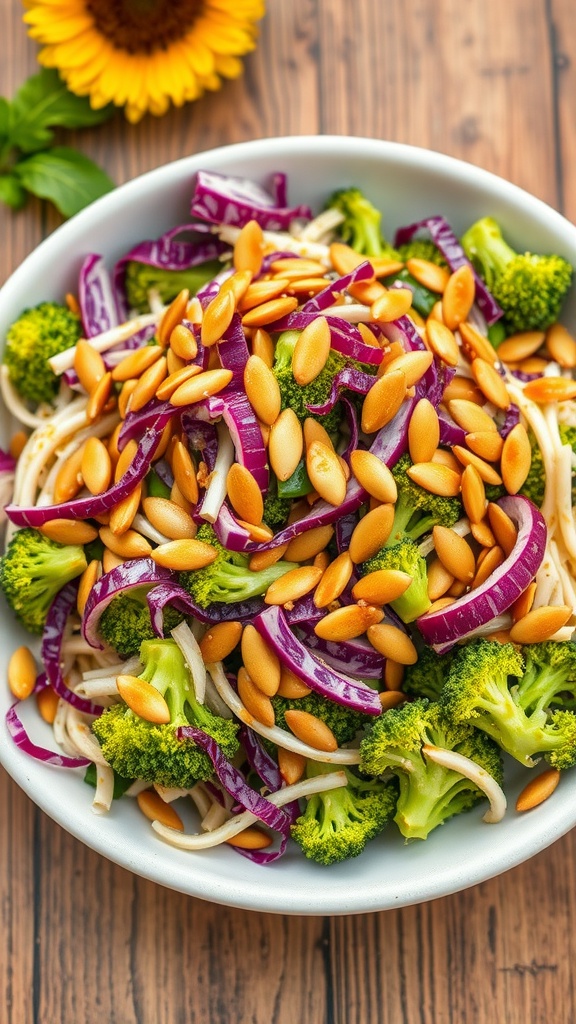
[
  {"x": 356, "y": 657},
  {"x": 446, "y": 241},
  {"x": 235, "y": 409},
  {"x": 329, "y": 295},
  {"x": 51, "y": 651},
  {"x": 224, "y": 199},
  {"x": 22, "y": 740},
  {"x": 170, "y": 592},
  {"x": 349, "y": 378},
  {"x": 235, "y": 784},
  {"x": 96, "y": 504},
  {"x": 96, "y": 298},
  {"x": 135, "y": 572},
  {"x": 344, "y": 337},
  {"x": 273, "y": 627}
]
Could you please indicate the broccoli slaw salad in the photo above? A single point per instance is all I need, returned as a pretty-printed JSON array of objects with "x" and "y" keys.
[{"x": 289, "y": 519}]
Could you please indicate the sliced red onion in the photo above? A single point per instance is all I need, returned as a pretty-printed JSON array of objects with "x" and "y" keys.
[
  {"x": 444, "y": 628},
  {"x": 224, "y": 199},
  {"x": 273, "y": 627},
  {"x": 96, "y": 504},
  {"x": 234, "y": 782},
  {"x": 357, "y": 657},
  {"x": 135, "y": 572},
  {"x": 349, "y": 378},
  {"x": 170, "y": 592},
  {"x": 96, "y": 298},
  {"x": 328, "y": 296},
  {"x": 51, "y": 651},
  {"x": 22, "y": 740},
  {"x": 446, "y": 241}
]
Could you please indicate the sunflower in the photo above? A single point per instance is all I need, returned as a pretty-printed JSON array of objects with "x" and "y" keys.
[{"x": 143, "y": 54}]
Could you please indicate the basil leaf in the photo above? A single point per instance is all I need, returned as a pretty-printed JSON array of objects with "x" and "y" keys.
[
  {"x": 67, "y": 178},
  {"x": 44, "y": 102},
  {"x": 11, "y": 191}
]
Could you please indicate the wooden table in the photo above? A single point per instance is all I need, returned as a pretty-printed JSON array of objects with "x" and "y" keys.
[{"x": 83, "y": 941}]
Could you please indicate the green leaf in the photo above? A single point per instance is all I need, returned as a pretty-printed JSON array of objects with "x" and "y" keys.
[
  {"x": 44, "y": 102},
  {"x": 67, "y": 178},
  {"x": 11, "y": 191}
]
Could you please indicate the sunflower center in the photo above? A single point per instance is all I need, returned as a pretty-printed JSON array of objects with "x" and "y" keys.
[{"x": 143, "y": 26}]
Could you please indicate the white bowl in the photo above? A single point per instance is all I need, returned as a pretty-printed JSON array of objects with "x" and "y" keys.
[{"x": 407, "y": 183}]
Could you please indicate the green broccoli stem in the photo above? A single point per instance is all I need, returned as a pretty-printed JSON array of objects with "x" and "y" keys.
[
  {"x": 485, "y": 246},
  {"x": 537, "y": 688},
  {"x": 426, "y": 793},
  {"x": 520, "y": 735}
]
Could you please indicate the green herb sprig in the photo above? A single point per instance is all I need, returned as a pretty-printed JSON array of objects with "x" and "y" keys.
[{"x": 29, "y": 160}]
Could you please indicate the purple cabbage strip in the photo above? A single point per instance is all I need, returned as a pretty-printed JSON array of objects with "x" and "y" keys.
[
  {"x": 328, "y": 296},
  {"x": 344, "y": 337},
  {"x": 202, "y": 437},
  {"x": 172, "y": 593},
  {"x": 96, "y": 298},
  {"x": 235, "y": 784},
  {"x": 235, "y": 409},
  {"x": 279, "y": 182},
  {"x": 51, "y": 652},
  {"x": 344, "y": 529},
  {"x": 273, "y": 627},
  {"x": 133, "y": 573},
  {"x": 352, "y": 421},
  {"x": 267, "y": 769},
  {"x": 225, "y": 199},
  {"x": 164, "y": 472},
  {"x": 446, "y": 241},
  {"x": 95, "y": 505},
  {"x": 351, "y": 379},
  {"x": 7, "y": 463},
  {"x": 511, "y": 420},
  {"x": 166, "y": 254},
  {"x": 303, "y": 610},
  {"x": 450, "y": 432},
  {"x": 137, "y": 423},
  {"x": 233, "y": 352},
  {"x": 356, "y": 657},
  {"x": 22, "y": 740}
]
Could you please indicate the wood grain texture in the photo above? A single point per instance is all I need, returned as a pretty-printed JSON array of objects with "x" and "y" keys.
[{"x": 85, "y": 942}]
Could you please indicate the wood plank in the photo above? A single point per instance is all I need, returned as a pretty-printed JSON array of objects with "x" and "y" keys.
[{"x": 562, "y": 34}]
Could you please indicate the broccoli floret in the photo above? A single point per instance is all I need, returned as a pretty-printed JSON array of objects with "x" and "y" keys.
[
  {"x": 427, "y": 676},
  {"x": 404, "y": 557},
  {"x": 342, "y": 721},
  {"x": 32, "y": 572},
  {"x": 416, "y": 512},
  {"x": 429, "y": 793},
  {"x": 126, "y": 622},
  {"x": 530, "y": 288},
  {"x": 228, "y": 578},
  {"x": 37, "y": 335},
  {"x": 298, "y": 397},
  {"x": 484, "y": 687},
  {"x": 336, "y": 825},
  {"x": 137, "y": 749},
  {"x": 141, "y": 279},
  {"x": 550, "y": 676},
  {"x": 276, "y": 511},
  {"x": 421, "y": 249},
  {"x": 360, "y": 228}
]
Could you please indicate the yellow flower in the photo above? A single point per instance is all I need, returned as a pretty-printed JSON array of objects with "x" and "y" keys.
[{"x": 143, "y": 54}]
